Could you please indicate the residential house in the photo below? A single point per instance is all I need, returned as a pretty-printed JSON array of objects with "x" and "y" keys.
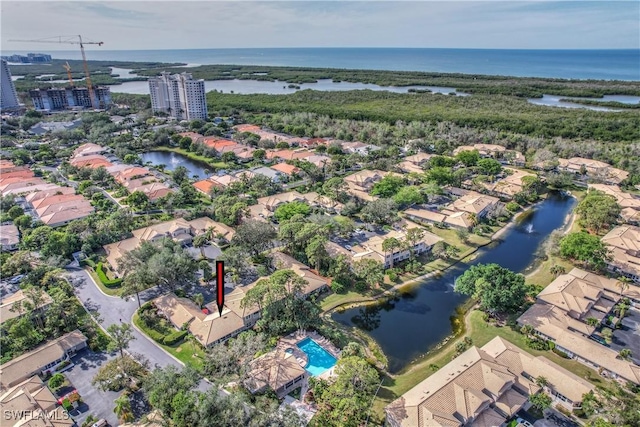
[
  {"x": 475, "y": 203},
  {"x": 319, "y": 161},
  {"x": 30, "y": 403},
  {"x": 484, "y": 387},
  {"x": 624, "y": 199},
  {"x": 247, "y": 128},
  {"x": 43, "y": 359},
  {"x": 8, "y": 305},
  {"x": 449, "y": 217},
  {"x": 409, "y": 167},
  {"x": 277, "y": 370},
  {"x": 594, "y": 169},
  {"x": 495, "y": 151},
  {"x": 560, "y": 315},
  {"x": 317, "y": 200},
  {"x": 508, "y": 186},
  {"x": 206, "y": 186},
  {"x": 88, "y": 149},
  {"x": 419, "y": 159},
  {"x": 299, "y": 154},
  {"x": 286, "y": 169},
  {"x": 195, "y": 137},
  {"x": 179, "y": 229},
  {"x": 624, "y": 245},
  {"x": 359, "y": 184},
  {"x": 266, "y": 206},
  {"x": 9, "y": 237},
  {"x": 315, "y": 282},
  {"x": 92, "y": 161},
  {"x": 58, "y": 206},
  {"x": 372, "y": 247},
  {"x": 24, "y": 186},
  {"x": 358, "y": 148}
]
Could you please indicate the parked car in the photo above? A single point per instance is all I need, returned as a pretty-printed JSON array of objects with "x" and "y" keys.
[
  {"x": 523, "y": 422},
  {"x": 100, "y": 423}
]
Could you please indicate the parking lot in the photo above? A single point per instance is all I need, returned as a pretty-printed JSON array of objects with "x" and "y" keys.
[
  {"x": 96, "y": 402},
  {"x": 628, "y": 336}
]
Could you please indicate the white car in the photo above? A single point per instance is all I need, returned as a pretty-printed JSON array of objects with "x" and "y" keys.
[
  {"x": 348, "y": 247},
  {"x": 524, "y": 423}
]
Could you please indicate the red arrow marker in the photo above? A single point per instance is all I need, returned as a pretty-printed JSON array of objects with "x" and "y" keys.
[{"x": 220, "y": 286}]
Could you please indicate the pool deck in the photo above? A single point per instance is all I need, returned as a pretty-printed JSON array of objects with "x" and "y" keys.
[{"x": 291, "y": 341}]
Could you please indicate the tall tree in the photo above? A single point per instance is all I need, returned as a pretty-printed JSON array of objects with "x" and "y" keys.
[
  {"x": 598, "y": 211},
  {"x": 254, "y": 236},
  {"x": 497, "y": 288},
  {"x": 122, "y": 408},
  {"x": 122, "y": 335}
]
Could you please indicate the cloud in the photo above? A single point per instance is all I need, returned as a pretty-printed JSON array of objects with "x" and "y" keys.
[{"x": 231, "y": 24}]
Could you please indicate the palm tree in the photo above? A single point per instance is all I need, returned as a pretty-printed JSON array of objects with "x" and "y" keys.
[
  {"x": 390, "y": 245},
  {"x": 526, "y": 330},
  {"x": 625, "y": 354},
  {"x": 542, "y": 381},
  {"x": 623, "y": 284},
  {"x": 123, "y": 408},
  {"x": 199, "y": 242},
  {"x": 607, "y": 334},
  {"x": 593, "y": 322},
  {"x": 198, "y": 299},
  {"x": 557, "y": 270}
]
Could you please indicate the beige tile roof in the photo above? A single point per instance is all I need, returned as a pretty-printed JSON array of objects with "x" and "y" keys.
[
  {"x": 88, "y": 149},
  {"x": 594, "y": 167},
  {"x": 483, "y": 149},
  {"x": 625, "y": 237},
  {"x": 624, "y": 199},
  {"x": 571, "y": 334},
  {"x": 473, "y": 203},
  {"x": 272, "y": 202},
  {"x": 409, "y": 167},
  {"x": 419, "y": 159},
  {"x": 314, "y": 281},
  {"x": 624, "y": 261},
  {"x": 24, "y": 366},
  {"x": 274, "y": 369},
  {"x": 464, "y": 388},
  {"x": 315, "y": 199},
  {"x": 35, "y": 402},
  {"x": 6, "y": 304},
  {"x": 630, "y": 215},
  {"x": 9, "y": 235}
]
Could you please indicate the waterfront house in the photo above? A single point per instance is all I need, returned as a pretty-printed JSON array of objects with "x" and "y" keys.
[
  {"x": 560, "y": 315},
  {"x": 593, "y": 169},
  {"x": 485, "y": 387}
]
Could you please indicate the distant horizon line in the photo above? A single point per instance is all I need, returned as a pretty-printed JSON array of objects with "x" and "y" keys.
[{"x": 334, "y": 47}]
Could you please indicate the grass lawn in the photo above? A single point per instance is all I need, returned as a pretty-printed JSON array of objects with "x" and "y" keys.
[
  {"x": 542, "y": 275},
  {"x": 109, "y": 291},
  {"x": 334, "y": 300},
  {"x": 188, "y": 353},
  {"x": 480, "y": 333}
]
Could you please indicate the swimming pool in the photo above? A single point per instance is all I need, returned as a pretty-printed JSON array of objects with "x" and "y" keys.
[{"x": 319, "y": 360}]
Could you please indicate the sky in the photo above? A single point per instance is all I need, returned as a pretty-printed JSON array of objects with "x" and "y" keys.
[{"x": 130, "y": 25}]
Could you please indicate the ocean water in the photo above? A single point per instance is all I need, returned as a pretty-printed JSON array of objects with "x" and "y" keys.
[{"x": 574, "y": 64}]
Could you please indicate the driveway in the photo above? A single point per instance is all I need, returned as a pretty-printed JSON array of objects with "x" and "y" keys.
[
  {"x": 114, "y": 310},
  {"x": 96, "y": 402},
  {"x": 628, "y": 336}
]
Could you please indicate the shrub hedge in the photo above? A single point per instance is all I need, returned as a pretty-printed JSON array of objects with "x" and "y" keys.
[
  {"x": 109, "y": 283},
  {"x": 174, "y": 337}
]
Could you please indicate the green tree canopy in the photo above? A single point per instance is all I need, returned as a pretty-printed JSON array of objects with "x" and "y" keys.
[
  {"x": 468, "y": 158},
  {"x": 598, "y": 211},
  {"x": 388, "y": 186},
  {"x": 288, "y": 210},
  {"x": 585, "y": 248},
  {"x": 497, "y": 288}
]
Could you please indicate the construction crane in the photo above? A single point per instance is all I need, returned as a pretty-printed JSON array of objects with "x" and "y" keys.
[
  {"x": 70, "y": 40},
  {"x": 68, "y": 68}
]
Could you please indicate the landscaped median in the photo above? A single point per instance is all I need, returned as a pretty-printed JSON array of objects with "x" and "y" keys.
[
  {"x": 175, "y": 342},
  {"x": 98, "y": 274}
]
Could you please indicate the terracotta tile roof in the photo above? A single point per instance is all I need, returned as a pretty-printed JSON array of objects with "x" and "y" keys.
[
  {"x": 205, "y": 186},
  {"x": 286, "y": 168},
  {"x": 90, "y": 161},
  {"x": 195, "y": 137}
]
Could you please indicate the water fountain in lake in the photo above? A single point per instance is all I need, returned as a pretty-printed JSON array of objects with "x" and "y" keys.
[{"x": 529, "y": 228}]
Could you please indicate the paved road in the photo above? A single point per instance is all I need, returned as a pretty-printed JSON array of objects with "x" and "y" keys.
[{"x": 114, "y": 310}]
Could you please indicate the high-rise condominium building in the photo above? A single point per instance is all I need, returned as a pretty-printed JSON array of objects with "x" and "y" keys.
[
  {"x": 178, "y": 95},
  {"x": 60, "y": 98},
  {"x": 9, "y": 97}
]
